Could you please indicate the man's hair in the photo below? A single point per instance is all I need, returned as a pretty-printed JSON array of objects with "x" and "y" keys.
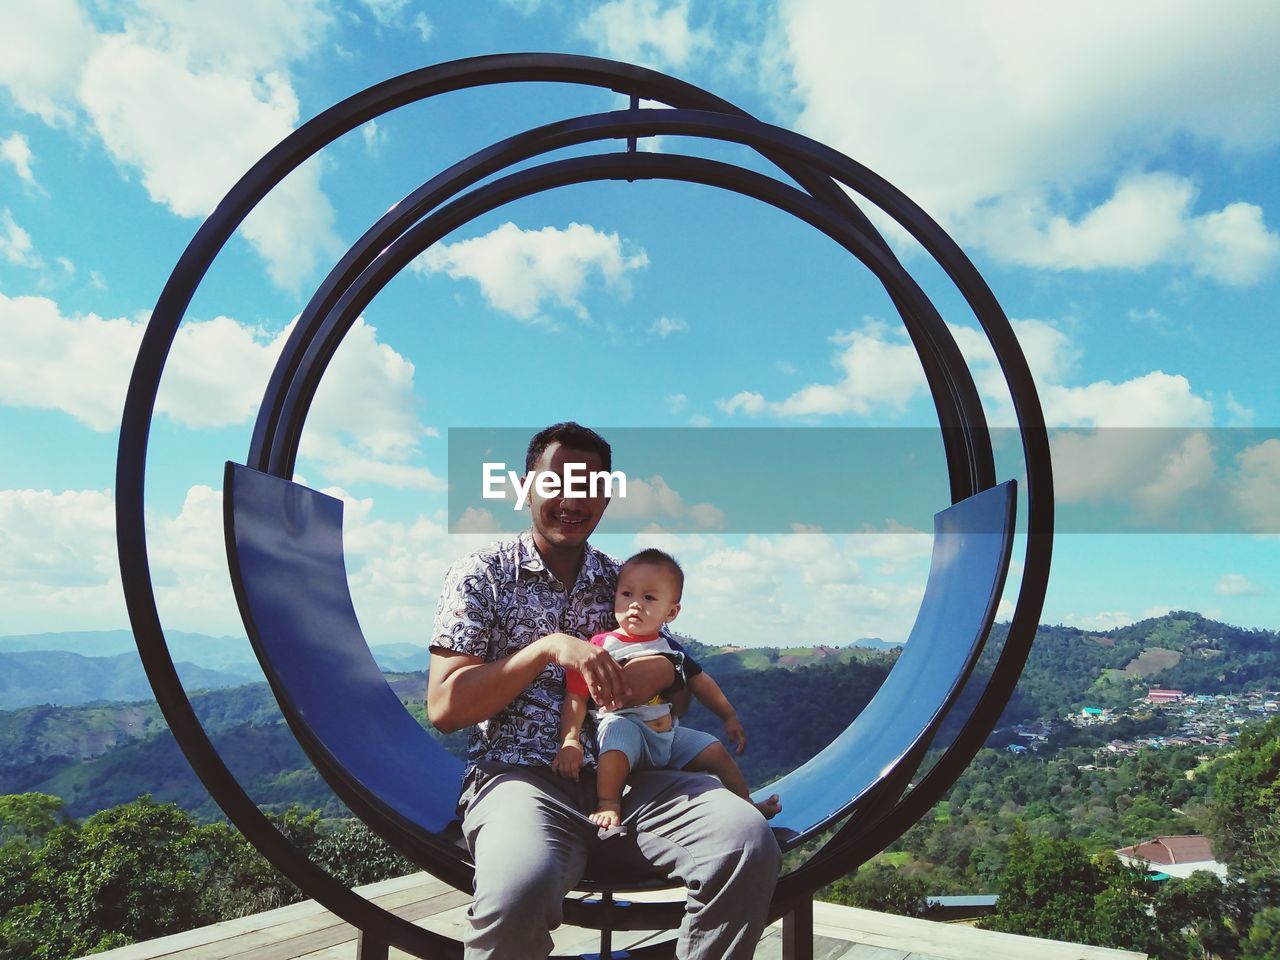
[
  {"x": 568, "y": 434},
  {"x": 659, "y": 558}
]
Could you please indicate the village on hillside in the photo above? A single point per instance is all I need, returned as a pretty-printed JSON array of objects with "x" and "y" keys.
[{"x": 1208, "y": 720}]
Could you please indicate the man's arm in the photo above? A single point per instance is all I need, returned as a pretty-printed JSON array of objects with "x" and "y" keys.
[{"x": 463, "y": 690}]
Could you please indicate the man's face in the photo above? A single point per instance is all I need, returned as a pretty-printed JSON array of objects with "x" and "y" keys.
[
  {"x": 647, "y": 597},
  {"x": 560, "y": 522}
]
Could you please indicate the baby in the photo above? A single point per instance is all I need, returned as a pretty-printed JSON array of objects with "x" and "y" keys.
[{"x": 649, "y": 736}]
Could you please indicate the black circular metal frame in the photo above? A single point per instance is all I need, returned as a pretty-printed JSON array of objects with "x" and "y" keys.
[{"x": 440, "y": 206}]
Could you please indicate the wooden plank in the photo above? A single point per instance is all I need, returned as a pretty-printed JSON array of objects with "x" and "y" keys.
[
  {"x": 945, "y": 940},
  {"x": 305, "y": 931},
  {"x": 316, "y": 930},
  {"x": 824, "y": 948},
  {"x": 864, "y": 951}
]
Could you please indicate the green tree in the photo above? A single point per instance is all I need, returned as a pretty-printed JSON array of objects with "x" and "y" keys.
[
  {"x": 1263, "y": 942},
  {"x": 879, "y": 886},
  {"x": 1050, "y": 888},
  {"x": 1244, "y": 814},
  {"x": 356, "y": 855},
  {"x": 27, "y": 817},
  {"x": 1200, "y": 911}
]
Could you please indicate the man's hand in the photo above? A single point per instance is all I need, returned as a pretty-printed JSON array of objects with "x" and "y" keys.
[
  {"x": 605, "y": 681},
  {"x": 569, "y": 760},
  {"x": 736, "y": 733}
]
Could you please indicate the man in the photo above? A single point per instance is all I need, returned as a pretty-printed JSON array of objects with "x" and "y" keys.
[{"x": 512, "y": 618}]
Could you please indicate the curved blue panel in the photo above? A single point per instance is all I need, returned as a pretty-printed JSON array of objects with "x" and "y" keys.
[
  {"x": 886, "y": 741},
  {"x": 285, "y": 547},
  {"x": 285, "y": 544}
]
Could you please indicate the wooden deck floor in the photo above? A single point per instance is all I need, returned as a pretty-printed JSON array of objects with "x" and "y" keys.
[{"x": 306, "y": 931}]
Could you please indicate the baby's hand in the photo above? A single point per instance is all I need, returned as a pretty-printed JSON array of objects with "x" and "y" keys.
[
  {"x": 569, "y": 760},
  {"x": 734, "y": 731}
]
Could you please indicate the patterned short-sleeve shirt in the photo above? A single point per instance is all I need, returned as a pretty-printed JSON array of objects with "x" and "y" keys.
[{"x": 499, "y": 600}]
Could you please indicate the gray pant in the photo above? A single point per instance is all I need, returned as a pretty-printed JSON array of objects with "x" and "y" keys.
[{"x": 531, "y": 846}]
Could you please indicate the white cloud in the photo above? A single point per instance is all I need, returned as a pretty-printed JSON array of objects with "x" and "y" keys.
[
  {"x": 647, "y": 32},
  {"x": 16, "y": 151},
  {"x": 799, "y": 590},
  {"x": 140, "y": 102},
  {"x": 1256, "y": 489},
  {"x": 374, "y": 137},
  {"x": 1102, "y": 620},
  {"x": 880, "y": 372},
  {"x": 424, "y": 26},
  {"x": 747, "y": 401},
  {"x": 1043, "y": 109},
  {"x": 653, "y": 501},
  {"x": 1155, "y": 399},
  {"x": 386, "y": 12},
  {"x": 522, "y": 272},
  {"x": 1233, "y": 245},
  {"x": 1237, "y": 585},
  {"x": 476, "y": 520},
  {"x": 188, "y": 98},
  {"x": 362, "y": 427},
  {"x": 396, "y": 569},
  {"x": 43, "y": 48},
  {"x": 1147, "y": 221},
  {"x": 1187, "y": 468},
  {"x": 15, "y": 243},
  {"x": 1156, "y": 469},
  {"x": 214, "y": 35},
  {"x": 60, "y": 540},
  {"x": 1151, "y": 318},
  {"x": 59, "y": 568},
  {"x": 675, "y": 402},
  {"x": 1241, "y": 416},
  {"x": 79, "y": 365},
  {"x": 664, "y": 326}
]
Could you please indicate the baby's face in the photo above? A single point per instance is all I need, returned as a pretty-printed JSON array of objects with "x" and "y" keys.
[{"x": 647, "y": 597}]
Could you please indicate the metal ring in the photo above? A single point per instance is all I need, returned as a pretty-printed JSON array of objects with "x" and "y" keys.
[{"x": 952, "y": 389}]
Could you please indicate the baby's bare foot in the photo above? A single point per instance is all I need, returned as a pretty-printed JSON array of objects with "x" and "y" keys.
[
  {"x": 771, "y": 807},
  {"x": 608, "y": 816}
]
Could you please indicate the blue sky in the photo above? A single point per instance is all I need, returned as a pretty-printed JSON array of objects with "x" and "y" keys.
[{"x": 1110, "y": 168}]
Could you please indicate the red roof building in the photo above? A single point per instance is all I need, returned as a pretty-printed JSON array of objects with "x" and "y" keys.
[{"x": 1176, "y": 856}]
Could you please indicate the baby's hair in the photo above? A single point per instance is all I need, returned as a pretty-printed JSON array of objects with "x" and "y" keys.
[{"x": 659, "y": 558}]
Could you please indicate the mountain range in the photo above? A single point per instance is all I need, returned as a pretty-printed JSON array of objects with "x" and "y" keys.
[
  {"x": 92, "y": 666},
  {"x": 792, "y": 702}
]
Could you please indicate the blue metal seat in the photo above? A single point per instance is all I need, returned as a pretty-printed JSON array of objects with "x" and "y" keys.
[
  {"x": 879, "y": 751},
  {"x": 287, "y": 566}
]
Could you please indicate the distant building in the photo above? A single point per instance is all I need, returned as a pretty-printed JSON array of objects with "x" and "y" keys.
[
  {"x": 950, "y": 909},
  {"x": 1091, "y": 712},
  {"x": 1173, "y": 856},
  {"x": 1160, "y": 695}
]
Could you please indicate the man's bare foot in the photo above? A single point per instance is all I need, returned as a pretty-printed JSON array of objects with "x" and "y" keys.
[
  {"x": 608, "y": 816},
  {"x": 770, "y": 808}
]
